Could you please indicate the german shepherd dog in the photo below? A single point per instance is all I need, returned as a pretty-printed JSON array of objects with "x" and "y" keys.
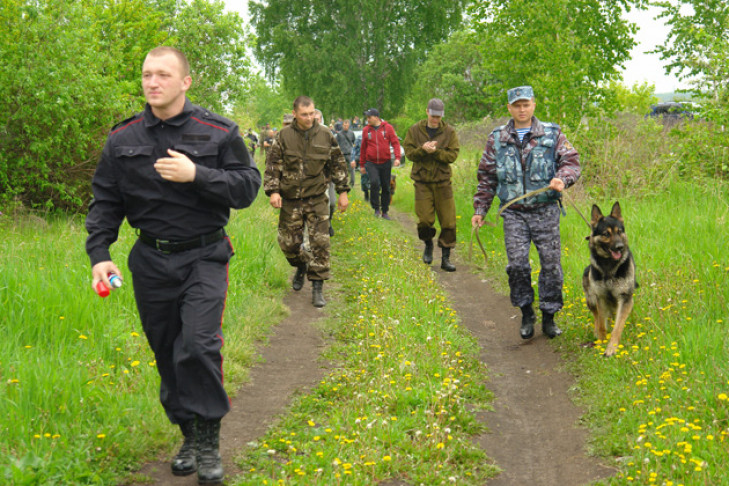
[{"x": 609, "y": 281}]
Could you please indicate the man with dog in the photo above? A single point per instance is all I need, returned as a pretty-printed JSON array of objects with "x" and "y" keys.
[
  {"x": 174, "y": 171},
  {"x": 534, "y": 158},
  {"x": 432, "y": 145},
  {"x": 302, "y": 161}
]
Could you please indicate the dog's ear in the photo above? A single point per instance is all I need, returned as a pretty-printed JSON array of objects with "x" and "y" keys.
[
  {"x": 596, "y": 215},
  {"x": 616, "y": 213}
]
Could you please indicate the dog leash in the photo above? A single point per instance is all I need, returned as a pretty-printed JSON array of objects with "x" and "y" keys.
[
  {"x": 475, "y": 229},
  {"x": 539, "y": 191}
]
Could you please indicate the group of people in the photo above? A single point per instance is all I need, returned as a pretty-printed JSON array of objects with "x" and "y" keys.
[{"x": 175, "y": 170}]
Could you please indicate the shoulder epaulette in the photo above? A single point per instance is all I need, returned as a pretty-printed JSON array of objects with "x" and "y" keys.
[
  {"x": 209, "y": 115},
  {"x": 125, "y": 123}
]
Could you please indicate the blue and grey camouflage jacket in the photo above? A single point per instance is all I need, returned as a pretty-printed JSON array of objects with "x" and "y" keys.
[{"x": 509, "y": 168}]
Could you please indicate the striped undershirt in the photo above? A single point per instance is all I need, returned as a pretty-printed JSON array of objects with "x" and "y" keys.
[{"x": 521, "y": 132}]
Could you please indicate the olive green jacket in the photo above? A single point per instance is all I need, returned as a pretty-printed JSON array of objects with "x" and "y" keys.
[{"x": 433, "y": 167}]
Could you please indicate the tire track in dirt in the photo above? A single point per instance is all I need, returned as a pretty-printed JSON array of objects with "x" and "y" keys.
[
  {"x": 288, "y": 365},
  {"x": 533, "y": 433}
]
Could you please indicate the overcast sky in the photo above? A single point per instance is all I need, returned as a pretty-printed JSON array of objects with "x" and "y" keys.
[{"x": 641, "y": 68}]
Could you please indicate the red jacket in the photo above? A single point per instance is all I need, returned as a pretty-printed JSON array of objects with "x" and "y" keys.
[{"x": 376, "y": 144}]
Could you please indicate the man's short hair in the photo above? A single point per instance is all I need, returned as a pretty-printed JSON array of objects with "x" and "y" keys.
[
  {"x": 302, "y": 101},
  {"x": 162, "y": 50}
]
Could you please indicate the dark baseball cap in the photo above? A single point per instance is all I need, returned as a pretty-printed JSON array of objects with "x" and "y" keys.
[
  {"x": 372, "y": 112},
  {"x": 436, "y": 107}
]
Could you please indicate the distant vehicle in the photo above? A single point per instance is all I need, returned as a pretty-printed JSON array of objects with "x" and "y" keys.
[{"x": 672, "y": 111}]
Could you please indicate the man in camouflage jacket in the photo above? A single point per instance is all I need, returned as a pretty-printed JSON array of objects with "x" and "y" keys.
[
  {"x": 302, "y": 160},
  {"x": 520, "y": 157}
]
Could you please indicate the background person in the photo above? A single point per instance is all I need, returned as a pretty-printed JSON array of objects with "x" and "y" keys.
[
  {"x": 375, "y": 159},
  {"x": 298, "y": 169},
  {"x": 432, "y": 146},
  {"x": 522, "y": 156},
  {"x": 345, "y": 139},
  {"x": 174, "y": 171},
  {"x": 331, "y": 192}
]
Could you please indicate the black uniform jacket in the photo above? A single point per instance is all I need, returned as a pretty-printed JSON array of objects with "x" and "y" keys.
[{"x": 126, "y": 183}]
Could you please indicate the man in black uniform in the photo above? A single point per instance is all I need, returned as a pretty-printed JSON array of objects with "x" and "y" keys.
[{"x": 174, "y": 171}]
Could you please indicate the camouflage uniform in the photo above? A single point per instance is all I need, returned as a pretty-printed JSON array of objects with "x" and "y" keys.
[
  {"x": 299, "y": 167},
  {"x": 509, "y": 169}
]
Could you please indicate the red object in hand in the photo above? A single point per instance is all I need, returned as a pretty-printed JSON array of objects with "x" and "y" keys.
[{"x": 102, "y": 289}]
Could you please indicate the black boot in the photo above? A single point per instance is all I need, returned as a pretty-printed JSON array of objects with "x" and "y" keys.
[
  {"x": 445, "y": 263},
  {"x": 185, "y": 462},
  {"x": 549, "y": 328},
  {"x": 527, "y": 322},
  {"x": 298, "y": 281},
  {"x": 428, "y": 252},
  {"x": 366, "y": 195},
  {"x": 317, "y": 293},
  {"x": 209, "y": 463}
]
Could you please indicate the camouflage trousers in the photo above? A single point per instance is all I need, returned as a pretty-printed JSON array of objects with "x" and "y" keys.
[
  {"x": 312, "y": 216},
  {"x": 540, "y": 226},
  {"x": 436, "y": 199}
]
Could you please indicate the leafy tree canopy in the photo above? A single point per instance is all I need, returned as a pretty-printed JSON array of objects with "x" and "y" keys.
[
  {"x": 697, "y": 47},
  {"x": 349, "y": 55},
  {"x": 568, "y": 50}
]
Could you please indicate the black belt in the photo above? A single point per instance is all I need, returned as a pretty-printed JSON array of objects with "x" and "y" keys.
[{"x": 170, "y": 246}]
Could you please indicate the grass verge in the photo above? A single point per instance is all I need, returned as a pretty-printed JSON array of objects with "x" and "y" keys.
[
  {"x": 404, "y": 378},
  {"x": 659, "y": 410},
  {"x": 78, "y": 385}
]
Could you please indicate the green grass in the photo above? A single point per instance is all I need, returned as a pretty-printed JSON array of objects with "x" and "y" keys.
[
  {"x": 78, "y": 388},
  {"x": 659, "y": 410},
  {"x": 78, "y": 385},
  {"x": 404, "y": 377}
]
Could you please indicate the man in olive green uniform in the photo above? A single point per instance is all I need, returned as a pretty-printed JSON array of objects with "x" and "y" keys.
[
  {"x": 432, "y": 146},
  {"x": 298, "y": 168}
]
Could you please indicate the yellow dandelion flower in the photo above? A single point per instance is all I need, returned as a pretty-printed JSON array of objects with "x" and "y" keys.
[
  {"x": 387, "y": 458},
  {"x": 100, "y": 436}
]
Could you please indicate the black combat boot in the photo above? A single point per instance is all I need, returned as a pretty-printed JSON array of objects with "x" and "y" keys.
[
  {"x": 366, "y": 195},
  {"x": 185, "y": 463},
  {"x": 298, "y": 281},
  {"x": 209, "y": 463},
  {"x": 527, "y": 322},
  {"x": 445, "y": 263},
  {"x": 549, "y": 328},
  {"x": 428, "y": 252},
  {"x": 317, "y": 293}
]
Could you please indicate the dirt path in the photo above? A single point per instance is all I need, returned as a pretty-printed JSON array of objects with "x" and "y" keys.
[
  {"x": 533, "y": 431},
  {"x": 289, "y": 364},
  {"x": 533, "y": 435}
]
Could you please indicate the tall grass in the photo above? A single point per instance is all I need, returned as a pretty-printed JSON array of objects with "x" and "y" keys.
[
  {"x": 659, "y": 410},
  {"x": 78, "y": 385}
]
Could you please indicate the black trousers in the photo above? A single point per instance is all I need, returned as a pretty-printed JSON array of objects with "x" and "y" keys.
[
  {"x": 379, "y": 175},
  {"x": 181, "y": 298}
]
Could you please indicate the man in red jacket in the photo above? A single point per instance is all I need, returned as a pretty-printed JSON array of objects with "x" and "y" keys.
[{"x": 375, "y": 159}]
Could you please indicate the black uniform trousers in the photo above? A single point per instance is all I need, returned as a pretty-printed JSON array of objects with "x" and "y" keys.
[
  {"x": 379, "y": 175},
  {"x": 181, "y": 298}
]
